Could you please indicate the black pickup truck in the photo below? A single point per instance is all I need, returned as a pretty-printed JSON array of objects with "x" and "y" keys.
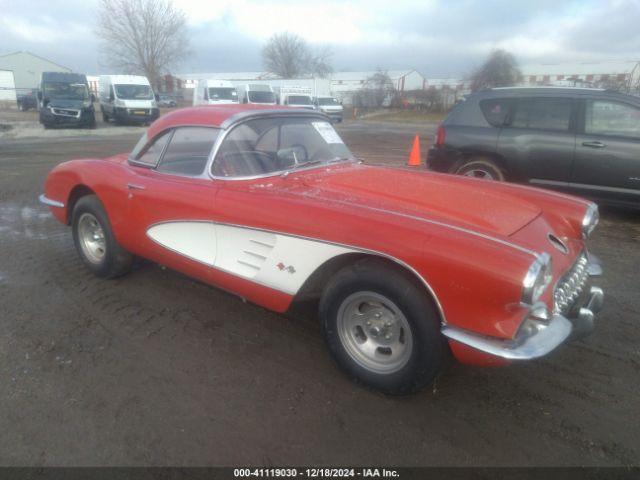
[{"x": 27, "y": 99}]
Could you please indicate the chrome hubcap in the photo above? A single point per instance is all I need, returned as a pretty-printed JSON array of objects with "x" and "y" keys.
[
  {"x": 374, "y": 332},
  {"x": 479, "y": 173},
  {"x": 91, "y": 238}
]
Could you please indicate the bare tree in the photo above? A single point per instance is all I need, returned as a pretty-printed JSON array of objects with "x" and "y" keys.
[
  {"x": 289, "y": 56},
  {"x": 500, "y": 69},
  {"x": 142, "y": 36},
  {"x": 378, "y": 91}
]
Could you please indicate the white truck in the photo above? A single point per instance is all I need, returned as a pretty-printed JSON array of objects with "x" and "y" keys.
[
  {"x": 214, "y": 92},
  {"x": 295, "y": 96},
  {"x": 258, "y": 94},
  {"x": 329, "y": 106},
  {"x": 127, "y": 99}
]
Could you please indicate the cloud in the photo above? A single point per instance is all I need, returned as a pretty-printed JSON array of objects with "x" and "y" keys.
[{"x": 438, "y": 37}]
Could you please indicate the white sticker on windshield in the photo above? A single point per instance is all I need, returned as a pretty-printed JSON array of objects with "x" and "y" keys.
[{"x": 327, "y": 132}]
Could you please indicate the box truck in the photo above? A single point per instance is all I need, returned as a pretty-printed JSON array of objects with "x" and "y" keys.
[
  {"x": 214, "y": 92},
  {"x": 294, "y": 96},
  {"x": 127, "y": 99},
  {"x": 258, "y": 94},
  {"x": 64, "y": 100}
]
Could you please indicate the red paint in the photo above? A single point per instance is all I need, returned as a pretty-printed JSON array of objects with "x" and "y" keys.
[{"x": 457, "y": 233}]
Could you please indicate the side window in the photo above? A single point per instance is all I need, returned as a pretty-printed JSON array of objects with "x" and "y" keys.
[
  {"x": 151, "y": 154},
  {"x": 543, "y": 114},
  {"x": 604, "y": 117},
  {"x": 495, "y": 110},
  {"x": 188, "y": 151}
]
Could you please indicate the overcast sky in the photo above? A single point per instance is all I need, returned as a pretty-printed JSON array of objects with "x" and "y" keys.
[{"x": 437, "y": 37}]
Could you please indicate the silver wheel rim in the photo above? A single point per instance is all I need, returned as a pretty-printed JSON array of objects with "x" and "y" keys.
[
  {"x": 479, "y": 173},
  {"x": 374, "y": 332},
  {"x": 91, "y": 236}
]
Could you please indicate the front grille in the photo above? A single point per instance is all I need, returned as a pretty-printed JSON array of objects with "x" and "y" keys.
[
  {"x": 66, "y": 112},
  {"x": 570, "y": 286}
]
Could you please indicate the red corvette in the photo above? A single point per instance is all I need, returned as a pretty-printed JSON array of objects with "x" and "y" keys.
[{"x": 409, "y": 267}]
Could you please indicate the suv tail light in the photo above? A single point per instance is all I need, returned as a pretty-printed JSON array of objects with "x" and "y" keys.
[{"x": 441, "y": 136}]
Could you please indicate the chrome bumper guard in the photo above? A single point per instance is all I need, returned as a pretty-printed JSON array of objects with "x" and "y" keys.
[
  {"x": 51, "y": 203},
  {"x": 546, "y": 337}
]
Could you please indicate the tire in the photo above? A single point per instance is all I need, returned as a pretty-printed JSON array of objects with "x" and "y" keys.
[
  {"x": 373, "y": 303},
  {"x": 100, "y": 253},
  {"x": 480, "y": 168}
]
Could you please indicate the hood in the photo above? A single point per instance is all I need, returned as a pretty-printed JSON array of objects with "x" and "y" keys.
[
  {"x": 66, "y": 103},
  {"x": 468, "y": 203}
]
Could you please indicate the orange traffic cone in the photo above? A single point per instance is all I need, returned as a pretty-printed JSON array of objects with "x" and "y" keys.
[{"x": 414, "y": 158}]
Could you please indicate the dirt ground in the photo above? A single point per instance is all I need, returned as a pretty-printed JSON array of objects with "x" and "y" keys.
[{"x": 157, "y": 369}]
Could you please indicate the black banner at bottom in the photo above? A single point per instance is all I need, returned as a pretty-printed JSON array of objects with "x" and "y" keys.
[{"x": 375, "y": 473}]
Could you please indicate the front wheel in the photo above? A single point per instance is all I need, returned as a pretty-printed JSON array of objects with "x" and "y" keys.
[
  {"x": 95, "y": 242},
  {"x": 382, "y": 328},
  {"x": 480, "y": 168}
]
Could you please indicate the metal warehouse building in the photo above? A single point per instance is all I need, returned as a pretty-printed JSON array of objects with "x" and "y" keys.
[
  {"x": 624, "y": 74},
  {"x": 27, "y": 68},
  {"x": 7, "y": 87}
]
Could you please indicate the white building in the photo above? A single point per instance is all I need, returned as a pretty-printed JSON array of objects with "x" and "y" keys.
[
  {"x": 27, "y": 68},
  {"x": 626, "y": 74}
]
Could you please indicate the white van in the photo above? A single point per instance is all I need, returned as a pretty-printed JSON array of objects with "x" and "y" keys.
[
  {"x": 294, "y": 96},
  {"x": 259, "y": 94},
  {"x": 127, "y": 98},
  {"x": 214, "y": 92},
  {"x": 331, "y": 107}
]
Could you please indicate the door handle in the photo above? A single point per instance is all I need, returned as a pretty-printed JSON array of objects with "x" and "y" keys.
[
  {"x": 595, "y": 144},
  {"x": 133, "y": 186}
]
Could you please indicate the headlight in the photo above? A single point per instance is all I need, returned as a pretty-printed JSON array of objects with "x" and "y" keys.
[
  {"x": 538, "y": 277},
  {"x": 119, "y": 103},
  {"x": 590, "y": 220}
]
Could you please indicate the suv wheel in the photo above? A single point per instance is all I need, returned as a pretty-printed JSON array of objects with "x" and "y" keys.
[{"x": 480, "y": 168}]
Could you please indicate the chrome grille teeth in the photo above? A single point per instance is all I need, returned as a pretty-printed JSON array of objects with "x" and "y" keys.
[{"x": 570, "y": 286}]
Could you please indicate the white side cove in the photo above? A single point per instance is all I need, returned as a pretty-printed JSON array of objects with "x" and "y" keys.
[{"x": 281, "y": 262}]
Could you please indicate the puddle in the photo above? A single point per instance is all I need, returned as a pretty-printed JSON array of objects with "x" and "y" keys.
[{"x": 24, "y": 222}]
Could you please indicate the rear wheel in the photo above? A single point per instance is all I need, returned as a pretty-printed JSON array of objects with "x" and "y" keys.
[
  {"x": 382, "y": 328},
  {"x": 94, "y": 240},
  {"x": 481, "y": 168}
]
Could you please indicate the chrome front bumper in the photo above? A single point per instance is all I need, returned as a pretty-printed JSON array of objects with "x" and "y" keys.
[{"x": 547, "y": 337}]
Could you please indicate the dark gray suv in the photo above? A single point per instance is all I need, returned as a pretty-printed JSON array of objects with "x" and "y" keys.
[{"x": 585, "y": 141}]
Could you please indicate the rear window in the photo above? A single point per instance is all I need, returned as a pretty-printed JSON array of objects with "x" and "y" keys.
[
  {"x": 543, "y": 114},
  {"x": 495, "y": 110}
]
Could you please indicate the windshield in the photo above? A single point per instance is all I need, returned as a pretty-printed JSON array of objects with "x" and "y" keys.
[
  {"x": 299, "y": 100},
  {"x": 261, "y": 97},
  {"x": 134, "y": 92},
  {"x": 269, "y": 145},
  {"x": 220, "y": 93},
  {"x": 67, "y": 91},
  {"x": 328, "y": 101}
]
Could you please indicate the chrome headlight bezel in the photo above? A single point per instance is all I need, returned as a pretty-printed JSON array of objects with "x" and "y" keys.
[
  {"x": 590, "y": 220},
  {"x": 537, "y": 279}
]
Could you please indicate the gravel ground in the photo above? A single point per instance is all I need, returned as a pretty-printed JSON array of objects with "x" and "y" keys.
[{"x": 157, "y": 369}]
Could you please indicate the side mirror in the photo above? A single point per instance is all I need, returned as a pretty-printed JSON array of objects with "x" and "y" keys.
[
  {"x": 93, "y": 98},
  {"x": 157, "y": 97},
  {"x": 111, "y": 97},
  {"x": 39, "y": 95}
]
